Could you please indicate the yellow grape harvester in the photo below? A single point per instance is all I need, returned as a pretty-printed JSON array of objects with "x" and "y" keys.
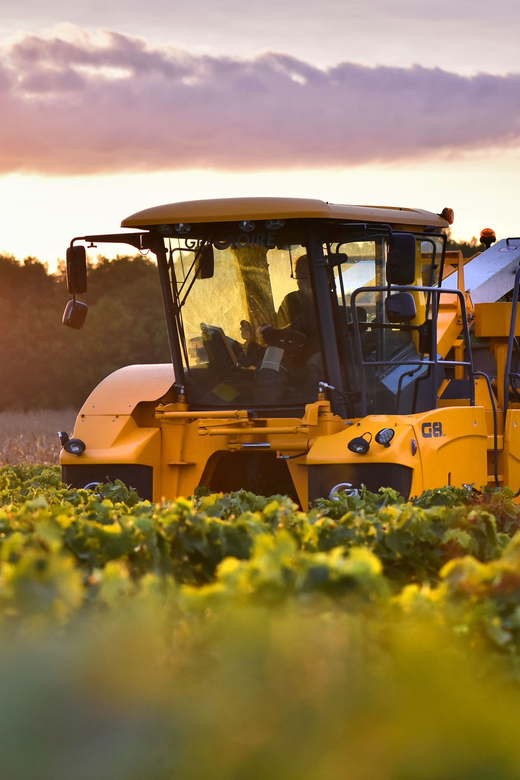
[{"x": 314, "y": 348}]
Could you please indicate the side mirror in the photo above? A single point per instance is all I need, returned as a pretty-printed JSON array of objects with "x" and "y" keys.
[
  {"x": 76, "y": 266},
  {"x": 400, "y": 307},
  {"x": 400, "y": 261},
  {"x": 75, "y": 314},
  {"x": 206, "y": 266},
  {"x": 337, "y": 258}
]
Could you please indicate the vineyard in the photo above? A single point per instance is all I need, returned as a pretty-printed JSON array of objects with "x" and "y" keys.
[{"x": 234, "y": 636}]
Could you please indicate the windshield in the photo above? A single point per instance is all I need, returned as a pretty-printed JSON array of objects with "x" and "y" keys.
[
  {"x": 247, "y": 320},
  {"x": 247, "y": 316}
]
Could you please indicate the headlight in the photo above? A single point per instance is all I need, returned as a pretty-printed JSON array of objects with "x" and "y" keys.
[
  {"x": 360, "y": 445},
  {"x": 75, "y": 447},
  {"x": 385, "y": 436}
]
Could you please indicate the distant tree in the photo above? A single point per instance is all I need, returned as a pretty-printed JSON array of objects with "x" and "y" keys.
[{"x": 45, "y": 365}]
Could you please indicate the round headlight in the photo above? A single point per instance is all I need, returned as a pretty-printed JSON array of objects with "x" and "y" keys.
[
  {"x": 75, "y": 446},
  {"x": 359, "y": 445},
  {"x": 385, "y": 436}
]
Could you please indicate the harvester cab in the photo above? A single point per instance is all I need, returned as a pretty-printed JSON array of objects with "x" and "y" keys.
[{"x": 315, "y": 348}]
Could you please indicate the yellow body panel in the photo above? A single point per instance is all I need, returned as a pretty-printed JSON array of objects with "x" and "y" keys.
[
  {"x": 116, "y": 440},
  {"x": 511, "y": 455},
  {"x": 443, "y": 446},
  {"x": 142, "y": 446},
  {"x": 230, "y": 209},
  {"x": 117, "y": 421},
  {"x": 458, "y": 455},
  {"x": 493, "y": 320},
  {"x": 121, "y": 391}
]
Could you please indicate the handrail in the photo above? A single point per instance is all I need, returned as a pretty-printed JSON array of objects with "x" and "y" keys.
[
  {"x": 510, "y": 341},
  {"x": 495, "y": 420},
  {"x": 433, "y": 361}
]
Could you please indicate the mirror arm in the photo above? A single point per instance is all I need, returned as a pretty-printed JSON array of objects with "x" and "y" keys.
[{"x": 138, "y": 240}]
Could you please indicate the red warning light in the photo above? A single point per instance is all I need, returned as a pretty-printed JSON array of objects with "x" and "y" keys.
[{"x": 448, "y": 215}]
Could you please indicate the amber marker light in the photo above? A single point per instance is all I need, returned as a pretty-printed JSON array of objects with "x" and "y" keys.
[
  {"x": 487, "y": 237},
  {"x": 448, "y": 215}
]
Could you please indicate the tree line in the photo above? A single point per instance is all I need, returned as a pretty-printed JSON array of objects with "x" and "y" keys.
[
  {"x": 468, "y": 248},
  {"x": 46, "y": 365}
]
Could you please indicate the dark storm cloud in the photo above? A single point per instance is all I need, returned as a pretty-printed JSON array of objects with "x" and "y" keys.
[{"x": 112, "y": 103}]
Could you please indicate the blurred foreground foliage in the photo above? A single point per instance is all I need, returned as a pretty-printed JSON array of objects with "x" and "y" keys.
[{"x": 234, "y": 636}]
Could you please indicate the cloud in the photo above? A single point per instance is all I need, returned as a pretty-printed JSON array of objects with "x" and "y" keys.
[{"x": 107, "y": 103}]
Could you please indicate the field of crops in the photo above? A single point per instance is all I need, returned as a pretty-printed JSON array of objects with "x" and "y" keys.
[
  {"x": 30, "y": 437},
  {"x": 232, "y": 636}
]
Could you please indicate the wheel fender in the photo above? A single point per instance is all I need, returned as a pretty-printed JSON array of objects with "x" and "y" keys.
[{"x": 121, "y": 391}]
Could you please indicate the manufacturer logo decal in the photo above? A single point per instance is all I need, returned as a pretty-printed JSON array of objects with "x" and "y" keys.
[
  {"x": 248, "y": 239},
  {"x": 343, "y": 487},
  {"x": 429, "y": 429}
]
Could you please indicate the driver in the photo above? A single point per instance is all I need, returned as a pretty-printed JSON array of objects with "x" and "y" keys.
[
  {"x": 297, "y": 308},
  {"x": 252, "y": 351}
]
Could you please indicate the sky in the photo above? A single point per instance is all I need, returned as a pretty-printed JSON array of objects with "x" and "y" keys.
[{"x": 109, "y": 108}]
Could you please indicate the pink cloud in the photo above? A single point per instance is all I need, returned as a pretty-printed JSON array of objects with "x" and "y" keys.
[{"x": 111, "y": 103}]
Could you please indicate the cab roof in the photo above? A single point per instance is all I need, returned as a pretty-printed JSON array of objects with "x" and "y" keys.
[{"x": 238, "y": 209}]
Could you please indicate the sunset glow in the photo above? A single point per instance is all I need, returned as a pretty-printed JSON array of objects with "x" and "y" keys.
[{"x": 104, "y": 122}]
